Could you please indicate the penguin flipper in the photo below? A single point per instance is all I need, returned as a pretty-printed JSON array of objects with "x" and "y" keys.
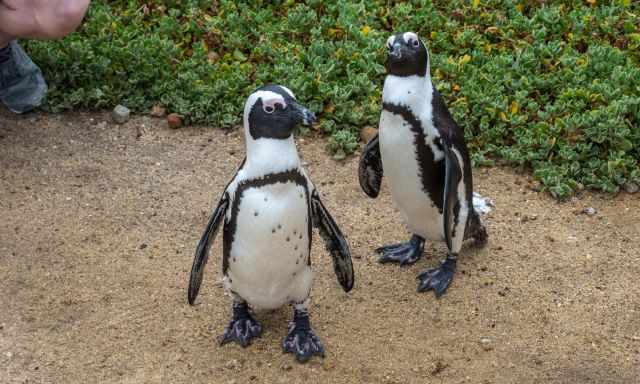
[
  {"x": 334, "y": 241},
  {"x": 202, "y": 251},
  {"x": 453, "y": 175},
  {"x": 370, "y": 169}
]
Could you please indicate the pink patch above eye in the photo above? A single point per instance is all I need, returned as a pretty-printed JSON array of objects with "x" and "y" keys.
[{"x": 271, "y": 104}]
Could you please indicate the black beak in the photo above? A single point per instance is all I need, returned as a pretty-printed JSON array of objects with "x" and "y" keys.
[{"x": 305, "y": 116}]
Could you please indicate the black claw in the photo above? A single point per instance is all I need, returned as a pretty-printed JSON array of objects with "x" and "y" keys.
[
  {"x": 438, "y": 279},
  {"x": 301, "y": 340},
  {"x": 242, "y": 328},
  {"x": 403, "y": 253}
]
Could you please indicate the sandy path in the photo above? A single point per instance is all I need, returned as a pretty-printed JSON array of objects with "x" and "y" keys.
[{"x": 99, "y": 223}]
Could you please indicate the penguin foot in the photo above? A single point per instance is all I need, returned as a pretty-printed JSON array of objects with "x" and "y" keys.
[
  {"x": 438, "y": 279},
  {"x": 242, "y": 328},
  {"x": 301, "y": 340},
  {"x": 403, "y": 253}
]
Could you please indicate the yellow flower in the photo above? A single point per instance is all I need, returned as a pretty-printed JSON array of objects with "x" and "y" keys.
[
  {"x": 514, "y": 107},
  {"x": 365, "y": 30}
]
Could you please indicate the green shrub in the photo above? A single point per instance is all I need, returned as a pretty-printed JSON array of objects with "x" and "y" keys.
[{"x": 552, "y": 86}]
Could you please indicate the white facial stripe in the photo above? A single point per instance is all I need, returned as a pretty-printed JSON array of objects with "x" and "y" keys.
[
  {"x": 273, "y": 101},
  {"x": 390, "y": 41},
  {"x": 253, "y": 98},
  {"x": 408, "y": 36},
  {"x": 288, "y": 91}
]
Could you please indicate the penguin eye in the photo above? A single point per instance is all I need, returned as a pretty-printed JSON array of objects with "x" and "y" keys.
[
  {"x": 415, "y": 43},
  {"x": 268, "y": 109}
]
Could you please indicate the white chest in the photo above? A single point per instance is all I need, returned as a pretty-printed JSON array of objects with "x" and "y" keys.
[
  {"x": 268, "y": 256},
  {"x": 402, "y": 170}
]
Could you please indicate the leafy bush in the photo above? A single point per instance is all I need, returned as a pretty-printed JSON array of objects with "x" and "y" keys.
[{"x": 552, "y": 85}]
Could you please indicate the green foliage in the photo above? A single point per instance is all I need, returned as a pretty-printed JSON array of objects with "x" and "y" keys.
[{"x": 551, "y": 85}]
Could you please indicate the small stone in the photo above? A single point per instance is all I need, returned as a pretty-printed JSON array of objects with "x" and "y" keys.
[
  {"x": 486, "y": 343},
  {"x": 143, "y": 246},
  {"x": 158, "y": 111},
  {"x": 631, "y": 187},
  {"x": 287, "y": 367},
  {"x": 174, "y": 121},
  {"x": 101, "y": 125},
  {"x": 120, "y": 114},
  {"x": 367, "y": 133},
  {"x": 589, "y": 211}
]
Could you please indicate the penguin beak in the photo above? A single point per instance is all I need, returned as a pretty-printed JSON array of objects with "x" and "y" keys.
[{"x": 304, "y": 115}]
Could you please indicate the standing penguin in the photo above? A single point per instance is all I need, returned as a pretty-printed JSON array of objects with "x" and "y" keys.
[
  {"x": 268, "y": 209},
  {"x": 422, "y": 151}
]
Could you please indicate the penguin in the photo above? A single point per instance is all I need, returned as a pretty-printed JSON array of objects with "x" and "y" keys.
[
  {"x": 268, "y": 209},
  {"x": 422, "y": 151}
]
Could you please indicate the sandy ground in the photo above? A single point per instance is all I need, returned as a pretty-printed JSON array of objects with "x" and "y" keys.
[{"x": 99, "y": 223}]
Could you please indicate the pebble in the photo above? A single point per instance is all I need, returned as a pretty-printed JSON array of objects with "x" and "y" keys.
[
  {"x": 367, "y": 133},
  {"x": 486, "y": 343},
  {"x": 121, "y": 114},
  {"x": 589, "y": 211},
  {"x": 174, "y": 121},
  {"x": 631, "y": 187},
  {"x": 158, "y": 111}
]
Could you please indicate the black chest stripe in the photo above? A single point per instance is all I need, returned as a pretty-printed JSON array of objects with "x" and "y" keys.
[
  {"x": 432, "y": 173},
  {"x": 230, "y": 226}
]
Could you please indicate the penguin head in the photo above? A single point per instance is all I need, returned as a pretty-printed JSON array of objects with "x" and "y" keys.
[
  {"x": 272, "y": 112},
  {"x": 407, "y": 55}
]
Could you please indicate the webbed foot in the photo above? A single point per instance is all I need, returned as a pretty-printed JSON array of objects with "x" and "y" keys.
[
  {"x": 438, "y": 279},
  {"x": 301, "y": 340},
  {"x": 403, "y": 253},
  {"x": 242, "y": 328}
]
